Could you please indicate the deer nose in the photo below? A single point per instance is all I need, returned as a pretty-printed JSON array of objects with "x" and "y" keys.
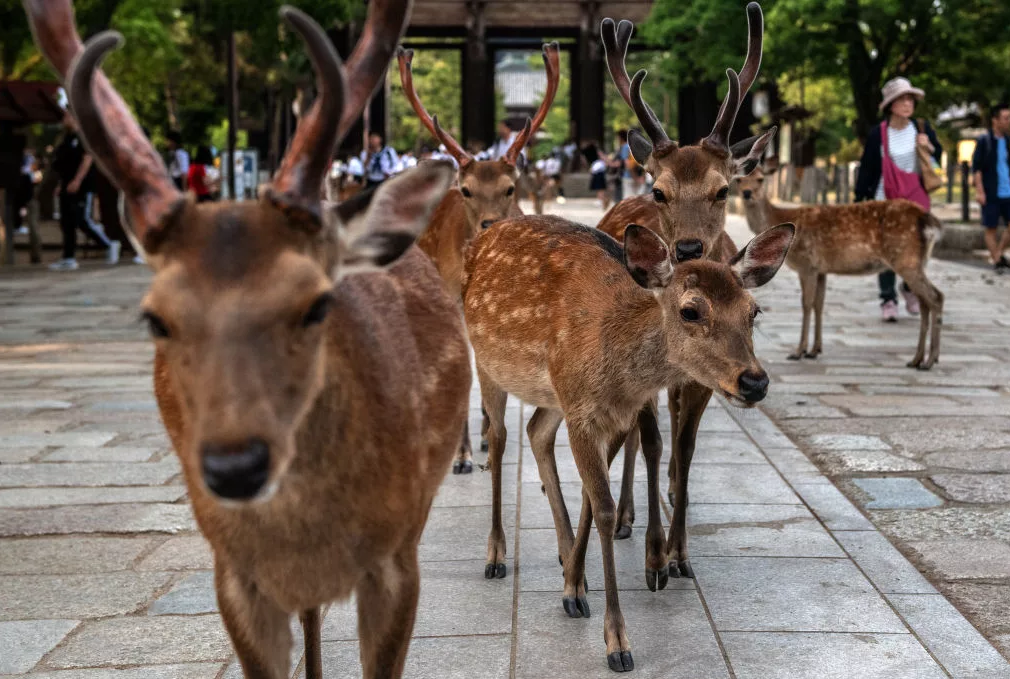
[
  {"x": 746, "y": 194},
  {"x": 753, "y": 386},
  {"x": 688, "y": 249},
  {"x": 236, "y": 471},
  {"x": 486, "y": 223}
]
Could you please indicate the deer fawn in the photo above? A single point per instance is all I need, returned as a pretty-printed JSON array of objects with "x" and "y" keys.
[
  {"x": 314, "y": 415},
  {"x": 486, "y": 194},
  {"x": 587, "y": 331},
  {"x": 858, "y": 239},
  {"x": 687, "y": 208}
]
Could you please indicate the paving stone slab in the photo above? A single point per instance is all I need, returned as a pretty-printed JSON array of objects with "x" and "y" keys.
[
  {"x": 787, "y": 594},
  {"x": 758, "y": 530},
  {"x": 67, "y": 555},
  {"x": 985, "y": 603},
  {"x": 724, "y": 448},
  {"x": 997, "y": 460},
  {"x": 88, "y": 474},
  {"x": 840, "y": 462},
  {"x": 965, "y": 559},
  {"x": 474, "y": 489},
  {"x": 156, "y": 640},
  {"x": 484, "y": 657},
  {"x": 974, "y": 488},
  {"x": 897, "y": 493},
  {"x": 847, "y": 442},
  {"x": 942, "y": 523},
  {"x": 189, "y": 552},
  {"x": 192, "y": 595},
  {"x": 784, "y": 655},
  {"x": 738, "y": 484},
  {"x": 102, "y": 454},
  {"x": 882, "y": 563},
  {"x": 952, "y": 640},
  {"x": 29, "y": 597},
  {"x": 24, "y": 643},
  {"x": 955, "y": 438},
  {"x": 184, "y": 671},
  {"x": 16, "y": 455},
  {"x": 127, "y": 518},
  {"x": 95, "y": 439},
  {"x": 52, "y": 497}
]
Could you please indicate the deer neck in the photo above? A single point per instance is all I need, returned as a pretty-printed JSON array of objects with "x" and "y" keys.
[
  {"x": 640, "y": 341},
  {"x": 758, "y": 213}
]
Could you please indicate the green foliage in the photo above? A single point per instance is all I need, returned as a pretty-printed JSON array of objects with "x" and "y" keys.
[
  {"x": 659, "y": 90},
  {"x": 438, "y": 82},
  {"x": 555, "y": 130}
]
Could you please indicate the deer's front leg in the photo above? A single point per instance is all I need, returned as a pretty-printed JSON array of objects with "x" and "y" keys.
[
  {"x": 494, "y": 401},
  {"x": 822, "y": 280},
  {"x": 626, "y": 504},
  {"x": 542, "y": 431},
  {"x": 656, "y": 571},
  {"x": 673, "y": 404},
  {"x": 808, "y": 285},
  {"x": 258, "y": 628},
  {"x": 387, "y": 605},
  {"x": 463, "y": 464},
  {"x": 694, "y": 399}
]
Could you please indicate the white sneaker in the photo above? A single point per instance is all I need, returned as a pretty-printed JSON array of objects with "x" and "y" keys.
[
  {"x": 112, "y": 256},
  {"x": 64, "y": 265},
  {"x": 139, "y": 259},
  {"x": 22, "y": 231},
  {"x": 561, "y": 200}
]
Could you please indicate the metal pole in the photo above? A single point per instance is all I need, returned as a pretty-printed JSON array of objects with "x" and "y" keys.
[
  {"x": 965, "y": 215},
  {"x": 232, "y": 114}
]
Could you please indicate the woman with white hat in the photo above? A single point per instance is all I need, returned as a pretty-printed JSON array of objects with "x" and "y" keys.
[{"x": 903, "y": 135}]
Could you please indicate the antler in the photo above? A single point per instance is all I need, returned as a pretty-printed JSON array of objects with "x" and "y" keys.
[
  {"x": 106, "y": 126},
  {"x": 405, "y": 58},
  {"x": 719, "y": 136},
  {"x": 728, "y": 111},
  {"x": 296, "y": 185},
  {"x": 366, "y": 68},
  {"x": 615, "y": 43},
  {"x": 552, "y": 64}
]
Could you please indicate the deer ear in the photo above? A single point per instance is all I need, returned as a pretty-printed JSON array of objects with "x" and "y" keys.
[
  {"x": 646, "y": 257},
  {"x": 759, "y": 261},
  {"x": 377, "y": 228},
  {"x": 641, "y": 147},
  {"x": 746, "y": 155}
]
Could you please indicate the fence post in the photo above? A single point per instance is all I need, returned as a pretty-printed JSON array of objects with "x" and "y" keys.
[
  {"x": 951, "y": 178},
  {"x": 965, "y": 214}
]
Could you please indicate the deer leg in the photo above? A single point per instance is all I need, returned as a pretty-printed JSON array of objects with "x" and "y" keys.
[
  {"x": 808, "y": 285},
  {"x": 694, "y": 399},
  {"x": 822, "y": 280},
  {"x": 593, "y": 462},
  {"x": 931, "y": 319},
  {"x": 258, "y": 628},
  {"x": 542, "y": 430},
  {"x": 494, "y": 401},
  {"x": 313, "y": 651},
  {"x": 463, "y": 464},
  {"x": 673, "y": 404},
  {"x": 656, "y": 570},
  {"x": 484, "y": 424},
  {"x": 387, "y": 604},
  {"x": 626, "y": 505}
]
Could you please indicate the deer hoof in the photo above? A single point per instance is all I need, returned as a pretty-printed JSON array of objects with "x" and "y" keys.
[
  {"x": 671, "y": 497},
  {"x": 812, "y": 354},
  {"x": 795, "y": 357},
  {"x": 576, "y": 607},
  {"x": 462, "y": 467},
  {"x": 685, "y": 569},
  {"x": 621, "y": 661},
  {"x": 622, "y": 532},
  {"x": 494, "y": 571},
  {"x": 483, "y": 445},
  {"x": 915, "y": 364},
  {"x": 657, "y": 579}
]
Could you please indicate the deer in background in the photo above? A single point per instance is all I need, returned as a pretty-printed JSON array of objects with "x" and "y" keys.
[
  {"x": 314, "y": 412},
  {"x": 485, "y": 195},
  {"x": 687, "y": 208},
  {"x": 856, "y": 240},
  {"x": 587, "y": 331}
]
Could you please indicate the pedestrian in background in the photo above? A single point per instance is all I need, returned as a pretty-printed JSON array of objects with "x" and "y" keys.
[
  {"x": 178, "y": 162},
  {"x": 990, "y": 166}
]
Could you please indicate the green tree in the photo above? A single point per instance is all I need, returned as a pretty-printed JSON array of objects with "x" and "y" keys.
[
  {"x": 659, "y": 89},
  {"x": 438, "y": 82}
]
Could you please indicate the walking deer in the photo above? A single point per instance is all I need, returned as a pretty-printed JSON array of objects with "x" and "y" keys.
[
  {"x": 859, "y": 239},
  {"x": 587, "y": 331},
  {"x": 486, "y": 194},
  {"x": 687, "y": 208},
  {"x": 314, "y": 412}
]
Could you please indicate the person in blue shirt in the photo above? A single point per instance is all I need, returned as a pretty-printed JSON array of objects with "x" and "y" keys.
[
  {"x": 991, "y": 167},
  {"x": 619, "y": 165}
]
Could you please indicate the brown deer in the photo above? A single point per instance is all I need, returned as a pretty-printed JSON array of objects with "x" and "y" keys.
[
  {"x": 314, "y": 412},
  {"x": 587, "y": 331},
  {"x": 859, "y": 239},
  {"x": 485, "y": 195},
  {"x": 687, "y": 208}
]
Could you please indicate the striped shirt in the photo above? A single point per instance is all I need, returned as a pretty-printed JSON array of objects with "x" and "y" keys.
[{"x": 901, "y": 144}]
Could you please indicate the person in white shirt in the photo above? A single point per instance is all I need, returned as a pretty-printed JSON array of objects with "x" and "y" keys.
[
  {"x": 178, "y": 166},
  {"x": 379, "y": 160}
]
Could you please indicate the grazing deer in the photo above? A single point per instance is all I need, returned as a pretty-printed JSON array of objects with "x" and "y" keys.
[
  {"x": 687, "y": 208},
  {"x": 859, "y": 239},
  {"x": 314, "y": 414},
  {"x": 486, "y": 194},
  {"x": 587, "y": 331}
]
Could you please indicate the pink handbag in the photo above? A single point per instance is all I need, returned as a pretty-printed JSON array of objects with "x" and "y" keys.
[{"x": 897, "y": 182}]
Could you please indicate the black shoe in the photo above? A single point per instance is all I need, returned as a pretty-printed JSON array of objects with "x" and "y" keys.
[{"x": 1001, "y": 266}]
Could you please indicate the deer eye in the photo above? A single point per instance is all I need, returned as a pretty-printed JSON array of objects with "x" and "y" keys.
[
  {"x": 723, "y": 192},
  {"x": 317, "y": 312},
  {"x": 690, "y": 315},
  {"x": 155, "y": 325},
  {"x": 511, "y": 191},
  {"x": 466, "y": 192},
  {"x": 658, "y": 195}
]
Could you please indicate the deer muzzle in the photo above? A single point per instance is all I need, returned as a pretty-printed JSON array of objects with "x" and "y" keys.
[{"x": 236, "y": 471}]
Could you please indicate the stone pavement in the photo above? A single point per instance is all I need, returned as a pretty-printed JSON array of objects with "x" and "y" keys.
[{"x": 103, "y": 575}]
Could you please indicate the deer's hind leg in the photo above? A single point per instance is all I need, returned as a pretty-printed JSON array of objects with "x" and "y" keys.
[
  {"x": 626, "y": 504},
  {"x": 822, "y": 280},
  {"x": 808, "y": 286},
  {"x": 258, "y": 628},
  {"x": 542, "y": 431},
  {"x": 463, "y": 464},
  {"x": 311, "y": 622},
  {"x": 387, "y": 606},
  {"x": 694, "y": 400},
  {"x": 494, "y": 399},
  {"x": 931, "y": 319}
]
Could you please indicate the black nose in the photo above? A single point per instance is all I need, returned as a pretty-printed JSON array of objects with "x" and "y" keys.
[
  {"x": 689, "y": 249},
  {"x": 237, "y": 471},
  {"x": 753, "y": 386},
  {"x": 746, "y": 194},
  {"x": 486, "y": 223}
]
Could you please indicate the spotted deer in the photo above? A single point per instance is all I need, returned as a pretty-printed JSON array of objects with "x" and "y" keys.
[
  {"x": 587, "y": 331},
  {"x": 858, "y": 239},
  {"x": 486, "y": 194},
  {"x": 687, "y": 208},
  {"x": 314, "y": 412}
]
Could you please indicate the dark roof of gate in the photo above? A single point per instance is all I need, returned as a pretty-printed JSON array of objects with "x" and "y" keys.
[
  {"x": 524, "y": 13},
  {"x": 26, "y": 103}
]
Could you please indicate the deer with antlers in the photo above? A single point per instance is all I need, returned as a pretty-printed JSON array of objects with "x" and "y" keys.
[
  {"x": 687, "y": 208},
  {"x": 858, "y": 239},
  {"x": 486, "y": 193},
  {"x": 314, "y": 412},
  {"x": 586, "y": 331}
]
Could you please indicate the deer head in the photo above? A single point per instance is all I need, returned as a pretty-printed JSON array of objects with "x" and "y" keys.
[
  {"x": 488, "y": 186},
  {"x": 243, "y": 307},
  {"x": 708, "y": 312},
  {"x": 752, "y": 186},
  {"x": 691, "y": 182}
]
